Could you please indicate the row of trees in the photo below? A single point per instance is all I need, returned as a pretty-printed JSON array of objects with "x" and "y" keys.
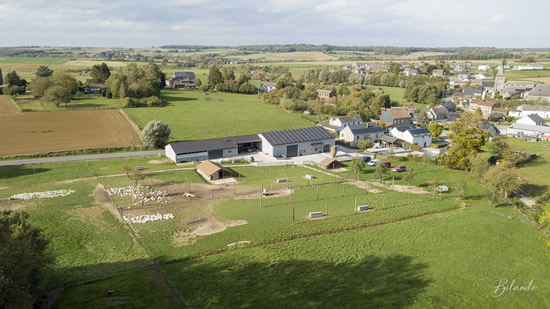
[
  {"x": 55, "y": 88},
  {"x": 224, "y": 80},
  {"x": 137, "y": 86}
]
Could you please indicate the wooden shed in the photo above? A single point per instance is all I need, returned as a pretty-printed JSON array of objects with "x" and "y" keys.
[
  {"x": 211, "y": 171},
  {"x": 330, "y": 163}
]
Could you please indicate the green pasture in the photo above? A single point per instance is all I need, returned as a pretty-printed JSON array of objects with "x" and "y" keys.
[{"x": 89, "y": 101}]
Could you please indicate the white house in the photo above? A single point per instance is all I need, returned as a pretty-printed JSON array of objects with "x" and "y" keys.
[
  {"x": 542, "y": 110},
  {"x": 337, "y": 124},
  {"x": 532, "y": 119},
  {"x": 267, "y": 87},
  {"x": 484, "y": 67},
  {"x": 355, "y": 133},
  {"x": 463, "y": 75},
  {"x": 531, "y": 66},
  {"x": 418, "y": 136},
  {"x": 298, "y": 142},
  {"x": 482, "y": 76}
]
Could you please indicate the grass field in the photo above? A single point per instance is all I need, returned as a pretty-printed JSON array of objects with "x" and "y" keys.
[
  {"x": 28, "y": 133},
  {"x": 294, "y": 56},
  {"x": 395, "y": 93},
  {"x": 225, "y": 114},
  {"x": 92, "y": 101},
  {"x": 527, "y": 74}
]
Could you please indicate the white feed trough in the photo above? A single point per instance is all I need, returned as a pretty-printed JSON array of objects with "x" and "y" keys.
[
  {"x": 363, "y": 207},
  {"x": 282, "y": 180},
  {"x": 309, "y": 176},
  {"x": 315, "y": 214},
  {"x": 442, "y": 189}
]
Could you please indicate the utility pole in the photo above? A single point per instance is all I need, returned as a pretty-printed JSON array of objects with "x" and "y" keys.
[
  {"x": 293, "y": 216},
  {"x": 326, "y": 209},
  {"x": 355, "y": 208},
  {"x": 261, "y": 197},
  {"x": 343, "y": 190},
  {"x": 384, "y": 200}
]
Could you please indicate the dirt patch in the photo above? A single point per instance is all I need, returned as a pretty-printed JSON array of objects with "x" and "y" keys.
[
  {"x": 209, "y": 227},
  {"x": 2, "y": 188},
  {"x": 7, "y": 106},
  {"x": 364, "y": 186},
  {"x": 400, "y": 188},
  {"x": 239, "y": 243},
  {"x": 545, "y": 80},
  {"x": 271, "y": 194},
  {"x": 40, "y": 132},
  {"x": 93, "y": 215},
  {"x": 159, "y": 161},
  {"x": 102, "y": 198}
]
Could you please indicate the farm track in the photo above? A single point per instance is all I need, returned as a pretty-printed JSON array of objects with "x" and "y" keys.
[
  {"x": 7, "y": 106},
  {"x": 42, "y": 132}
]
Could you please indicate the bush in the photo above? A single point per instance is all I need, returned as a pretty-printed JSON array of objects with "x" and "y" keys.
[
  {"x": 103, "y": 93},
  {"x": 155, "y": 134},
  {"x": 109, "y": 95}
]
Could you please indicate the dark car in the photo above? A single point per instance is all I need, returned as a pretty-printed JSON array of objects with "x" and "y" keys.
[
  {"x": 387, "y": 164},
  {"x": 399, "y": 169}
]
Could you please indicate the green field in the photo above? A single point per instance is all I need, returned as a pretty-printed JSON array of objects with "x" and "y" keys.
[
  {"x": 90, "y": 101},
  {"x": 527, "y": 74},
  {"x": 191, "y": 117}
]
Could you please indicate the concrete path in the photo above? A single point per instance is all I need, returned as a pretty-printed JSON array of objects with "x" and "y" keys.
[
  {"x": 525, "y": 198},
  {"x": 90, "y": 157}
]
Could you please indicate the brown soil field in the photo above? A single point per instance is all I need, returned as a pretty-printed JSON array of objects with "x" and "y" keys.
[
  {"x": 40, "y": 132},
  {"x": 545, "y": 80},
  {"x": 7, "y": 106}
]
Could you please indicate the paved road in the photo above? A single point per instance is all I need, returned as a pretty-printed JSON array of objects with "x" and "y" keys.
[{"x": 83, "y": 157}]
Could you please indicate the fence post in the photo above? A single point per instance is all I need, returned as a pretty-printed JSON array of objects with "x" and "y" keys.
[
  {"x": 317, "y": 192},
  {"x": 326, "y": 209},
  {"x": 343, "y": 189},
  {"x": 384, "y": 200},
  {"x": 293, "y": 215},
  {"x": 261, "y": 197},
  {"x": 355, "y": 204}
]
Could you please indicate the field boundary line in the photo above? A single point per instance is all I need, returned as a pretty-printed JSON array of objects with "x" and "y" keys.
[
  {"x": 15, "y": 103},
  {"x": 131, "y": 121}
]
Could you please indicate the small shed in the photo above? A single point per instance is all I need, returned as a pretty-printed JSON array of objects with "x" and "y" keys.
[
  {"x": 211, "y": 171},
  {"x": 330, "y": 163}
]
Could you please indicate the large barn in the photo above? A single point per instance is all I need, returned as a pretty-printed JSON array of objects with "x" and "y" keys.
[
  {"x": 297, "y": 142},
  {"x": 211, "y": 149}
]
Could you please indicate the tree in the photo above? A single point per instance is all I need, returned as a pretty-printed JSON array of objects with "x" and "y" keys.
[
  {"x": 40, "y": 85},
  {"x": 357, "y": 165},
  {"x": 100, "y": 73},
  {"x": 435, "y": 183},
  {"x": 13, "y": 79},
  {"x": 365, "y": 144},
  {"x": 43, "y": 71},
  {"x": 228, "y": 73},
  {"x": 527, "y": 59},
  {"x": 467, "y": 139},
  {"x": 198, "y": 82},
  {"x": 503, "y": 178},
  {"x": 57, "y": 95},
  {"x": 435, "y": 128},
  {"x": 461, "y": 189},
  {"x": 479, "y": 165},
  {"x": 214, "y": 76},
  {"x": 24, "y": 259},
  {"x": 409, "y": 177},
  {"x": 155, "y": 134},
  {"x": 381, "y": 170},
  {"x": 65, "y": 81}
]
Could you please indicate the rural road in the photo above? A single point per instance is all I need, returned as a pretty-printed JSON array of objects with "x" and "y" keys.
[{"x": 83, "y": 157}]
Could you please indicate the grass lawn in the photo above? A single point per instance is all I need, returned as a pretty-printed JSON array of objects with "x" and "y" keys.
[
  {"x": 91, "y": 101},
  {"x": 534, "y": 173},
  {"x": 395, "y": 93},
  {"x": 527, "y": 74},
  {"x": 225, "y": 114},
  {"x": 450, "y": 260}
]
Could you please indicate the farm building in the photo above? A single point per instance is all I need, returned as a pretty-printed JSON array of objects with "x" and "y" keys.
[
  {"x": 354, "y": 134},
  {"x": 212, "y": 148},
  {"x": 325, "y": 94},
  {"x": 330, "y": 163},
  {"x": 211, "y": 171},
  {"x": 337, "y": 124},
  {"x": 267, "y": 87},
  {"x": 298, "y": 142},
  {"x": 396, "y": 116},
  {"x": 181, "y": 80}
]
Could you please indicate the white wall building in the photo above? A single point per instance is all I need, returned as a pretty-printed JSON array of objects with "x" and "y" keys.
[
  {"x": 354, "y": 134},
  {"x": 298, "y": 142},
  {"x": 533, "y": 119},
  {"x": 418, "y": 136}
]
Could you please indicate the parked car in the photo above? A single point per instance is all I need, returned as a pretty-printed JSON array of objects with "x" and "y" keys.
[
  {"x": 387, "y": 164},
  {"x": 374, "y": 162},
  {"x": 377, "y": 145},
  {"x": 399, "y": 168},
  {"x": 366, "y": 158}
]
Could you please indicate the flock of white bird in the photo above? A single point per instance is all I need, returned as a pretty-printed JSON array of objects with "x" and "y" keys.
[
  {"x": 47, "y": 194},
  {"x": 141, "y": 195},
  {"x": 149, "y": 218}
]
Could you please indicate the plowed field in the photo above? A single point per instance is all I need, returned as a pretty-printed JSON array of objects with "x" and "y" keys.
[
  {"x": 40, "y": 132},
  {"x": 7, "y": 106}
]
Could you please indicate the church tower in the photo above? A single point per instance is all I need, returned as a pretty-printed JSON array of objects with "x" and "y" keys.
[{"x": 500, "y": 79}]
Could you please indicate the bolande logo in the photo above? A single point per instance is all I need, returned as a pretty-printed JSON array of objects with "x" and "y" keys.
[{"x": 503, "y": 286}]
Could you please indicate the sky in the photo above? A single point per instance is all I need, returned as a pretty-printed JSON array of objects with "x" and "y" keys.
[{"x": 137, "y": 23}]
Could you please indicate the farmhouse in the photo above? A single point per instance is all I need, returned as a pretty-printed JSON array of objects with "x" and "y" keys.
[
  {"x": 355, "y": 133},
  {"x": 542, "y": 110},
  {"x": 492, "y": 129},
  {"x": 531, "y": 66},
  {"x": 396, "y": 116},
  {"x": 325, "y": 94},
  {"x": 418, "y": 136},
  {"x": 267, "y": 87},
  {"x": 211, "y": 171},
  {"x": 181, "y": 80},
  {"x": 483, "y": 67},
  {"x": 96, "y": 88},
  {"x": 540, "y": 92},
  {"x": 438, "y": 73},
  {"x": 337, "y": 124},
  {"x": 298, "y": 142},
  {"x": 212, "y": 148},
  {"x": 463, "y": 75},
  {"x": 438, "y": 113}
]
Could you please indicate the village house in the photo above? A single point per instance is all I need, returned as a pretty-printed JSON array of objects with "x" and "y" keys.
[
  {"x": 449, "y": 105},
  {"x": 530, "y": 66},
  {"x": 396, "y": 116},
  {"x": 499, "y": 113},
  {"x": 486, "y": 107},
  {"x": 181, "y": 80},
  {"x": 463, "y": 75},
  {"x": 96, "y": 88},
  {"x": 410, "y": 72},
  {"x": 267, "y": 87},
  {"x": 325, "y": 94},
  {"x": 337, "y": 124},
  {"x": 483, "y": 67},
  {"x": 540, "y": 93},
  {"x": 492, "y": 129},
  {"x": 533, "y": 119},
  {"x": 473, "y": 93},
  {"x": 528, "y": 109},
  {"x": 417, "y": 136},
  {"x": 437, "y": 113},
  {"x": 482, "y": 76},
  {"x": 438, "y": 73},
  {"x": 459, "y": 67},
  {"x": 355, "y": 133}
]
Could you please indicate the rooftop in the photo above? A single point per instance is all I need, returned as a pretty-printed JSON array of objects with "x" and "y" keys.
[
  {"x": 213, "y": 144},
  {"x": 541, "y": 90},
  {"x": 361, "y": 129},
  {"x": 398, "y": 113},
  {"x": 296, "y": 136},
  {"x": 209, "y": 167}
]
